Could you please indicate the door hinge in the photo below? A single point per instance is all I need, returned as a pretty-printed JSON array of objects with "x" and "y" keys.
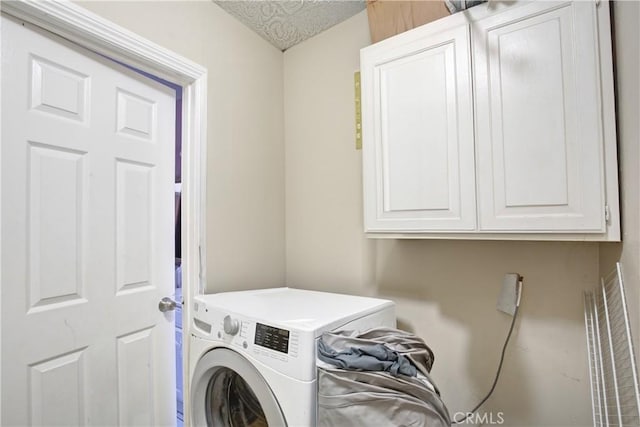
[
  {"x": 358, "y": 98},
  {"x": 201, "y": 284},
  {"x": 200, "y": 263},
  {"x": 607, "y": 214}
]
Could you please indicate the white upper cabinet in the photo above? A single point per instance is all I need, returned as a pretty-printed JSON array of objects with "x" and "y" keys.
[
  {"x": 539, "y": 137},
  {"x": 419, "y": 158},
  {"x": 535, "y": 82}
]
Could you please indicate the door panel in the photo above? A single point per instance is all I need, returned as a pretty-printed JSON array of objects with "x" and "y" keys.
[
  {"x": 57, "y": 390},
  {"x": 538, "y": 119},
  {"x": 133, "y": 225},
  {"x": 135, "y": 379},
  {"x": 415, "y": 90},
  {"x": 55, "y": 184},
  {"x": 58, "y": 90},
  {"x": 87, "y": 243},
  {"x": 418, "y": 126}
]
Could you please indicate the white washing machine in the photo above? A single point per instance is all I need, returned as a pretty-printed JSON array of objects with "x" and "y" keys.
[{"x": 253, "y": 353}]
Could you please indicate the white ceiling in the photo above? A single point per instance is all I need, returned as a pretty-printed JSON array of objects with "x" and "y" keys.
[{"x": 287, "y": 23}]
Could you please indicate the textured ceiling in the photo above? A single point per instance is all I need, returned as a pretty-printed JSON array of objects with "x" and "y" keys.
[{"x": 287, "y": 23}]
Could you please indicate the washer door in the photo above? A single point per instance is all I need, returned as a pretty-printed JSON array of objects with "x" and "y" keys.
[{"x": 228, "y": 391}]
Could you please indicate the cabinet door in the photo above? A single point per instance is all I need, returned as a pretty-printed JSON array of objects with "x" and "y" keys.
[
  {"x": 538, "y": 119},
  {"x": 418, "y": 155}
]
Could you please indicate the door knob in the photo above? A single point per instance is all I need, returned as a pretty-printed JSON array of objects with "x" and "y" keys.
[{"x": 167, "y": 304}]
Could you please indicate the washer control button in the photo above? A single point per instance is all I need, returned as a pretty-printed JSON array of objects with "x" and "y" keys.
[{"x": 231, "y": 326}]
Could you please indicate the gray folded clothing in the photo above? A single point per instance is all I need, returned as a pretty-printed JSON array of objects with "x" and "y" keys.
[
  {"x": 374, "y": 357},
  {"x": 404, "y": 343}
]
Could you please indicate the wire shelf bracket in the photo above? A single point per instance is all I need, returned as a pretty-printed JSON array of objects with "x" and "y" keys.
[{"x": 615, "y": 394}]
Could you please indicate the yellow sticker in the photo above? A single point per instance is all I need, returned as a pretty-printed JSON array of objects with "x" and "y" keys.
[{"x": 356, "y": 83}]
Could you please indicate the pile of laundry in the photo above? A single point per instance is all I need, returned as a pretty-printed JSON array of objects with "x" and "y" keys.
[{"x": 377, "y": 377}]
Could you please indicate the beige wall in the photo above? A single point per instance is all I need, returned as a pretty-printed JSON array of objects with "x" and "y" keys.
[
  {"x": 445, "y": 291},
  {"x": 627, "y": 49},
  {"x": 245, "y": 158},
  {"x": 325, "y": 248}
]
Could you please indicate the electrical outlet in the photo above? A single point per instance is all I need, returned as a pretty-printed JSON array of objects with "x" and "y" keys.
[{"x": 508, "y": 298}]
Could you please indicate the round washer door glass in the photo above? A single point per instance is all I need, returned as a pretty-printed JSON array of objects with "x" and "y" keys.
[
  {"x": 228, "y": 391},
  {"x": 231, "y": 402}
]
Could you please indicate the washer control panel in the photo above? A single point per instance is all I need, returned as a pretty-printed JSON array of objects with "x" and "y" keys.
[
  {"x": 269, "y": 343},
  {"x": 272, "y": 338}
]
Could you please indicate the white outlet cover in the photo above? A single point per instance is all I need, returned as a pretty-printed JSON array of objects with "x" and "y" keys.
[{"x": 508, "y": 294}]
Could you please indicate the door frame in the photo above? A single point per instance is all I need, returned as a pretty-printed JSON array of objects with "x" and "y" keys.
[{"x": 93, "y": 32}]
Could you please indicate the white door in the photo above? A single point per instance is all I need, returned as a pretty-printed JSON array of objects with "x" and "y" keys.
[
  {"x": 418, "y": 152},
  {"x": 87, "y": 246},
  {"x": 538, "y": 119}
]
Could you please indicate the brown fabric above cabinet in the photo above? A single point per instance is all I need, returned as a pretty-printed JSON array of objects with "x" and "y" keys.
[{"x": 390, "y": 17}]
